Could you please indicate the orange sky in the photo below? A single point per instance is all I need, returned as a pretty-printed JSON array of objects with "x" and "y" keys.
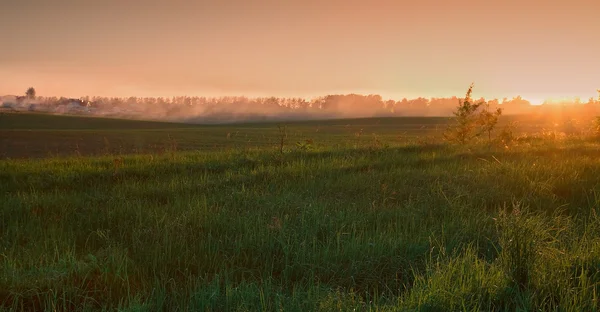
[{"x": 537, "y": 49}]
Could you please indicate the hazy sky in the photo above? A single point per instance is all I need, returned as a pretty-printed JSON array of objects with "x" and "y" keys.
[{"x": 536, "y": 49}]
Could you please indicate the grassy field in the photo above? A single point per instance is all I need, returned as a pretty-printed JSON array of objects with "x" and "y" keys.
[
  {"x": 27, "y": 135},
  {"x": 387, "y": 219}
]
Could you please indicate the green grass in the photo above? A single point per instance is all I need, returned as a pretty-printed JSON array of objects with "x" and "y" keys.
[{"x": 386, "y": 225}]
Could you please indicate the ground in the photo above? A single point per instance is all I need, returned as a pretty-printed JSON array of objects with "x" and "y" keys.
[{"x": 217, "y": 218}]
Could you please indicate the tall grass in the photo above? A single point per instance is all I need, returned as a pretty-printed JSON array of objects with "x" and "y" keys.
[{"x": 377, "y": 227}]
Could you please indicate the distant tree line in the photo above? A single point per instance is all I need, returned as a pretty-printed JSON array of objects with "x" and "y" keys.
[{"x": 329, "y": 106}]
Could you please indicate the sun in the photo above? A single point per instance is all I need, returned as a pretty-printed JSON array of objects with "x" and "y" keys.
[
  {"x": 535, "y": 100},
  {"x": 554, "y": 99},
  {"x": 562, "y": 100}
]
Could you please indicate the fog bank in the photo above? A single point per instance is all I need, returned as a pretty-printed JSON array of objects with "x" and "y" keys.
[{"x": 239, "y": 108}]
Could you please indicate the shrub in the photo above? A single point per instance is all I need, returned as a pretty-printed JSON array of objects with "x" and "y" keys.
[
  {"x": 307, "y": 145},
  {"x": 470, "y": 121},
  {"x": 488, "y": 120}
]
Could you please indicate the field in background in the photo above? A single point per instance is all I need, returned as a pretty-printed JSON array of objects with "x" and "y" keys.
[
  {"x": 27, "y": 135},
  {"x": 214, "y": 218}
]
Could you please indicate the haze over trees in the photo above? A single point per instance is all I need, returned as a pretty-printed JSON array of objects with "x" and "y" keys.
[{"x": 241, "y": 108}]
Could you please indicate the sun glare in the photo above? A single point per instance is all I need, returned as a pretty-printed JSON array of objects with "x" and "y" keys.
[
  {"x": 535, "y": 100},
  {"x": 562, "y": 100}
]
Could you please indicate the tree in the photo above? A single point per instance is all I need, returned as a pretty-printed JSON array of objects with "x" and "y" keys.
[
  {"x": 30, "y": 93},
  {"x": 466, "y": 120},
  {"x": 488, "y": 120}
]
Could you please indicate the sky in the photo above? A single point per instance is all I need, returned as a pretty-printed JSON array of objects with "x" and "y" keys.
[{"x": 305, "y": 48}]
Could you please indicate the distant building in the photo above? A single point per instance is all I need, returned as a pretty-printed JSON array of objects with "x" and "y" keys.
[{"x": 9, "y": 101}]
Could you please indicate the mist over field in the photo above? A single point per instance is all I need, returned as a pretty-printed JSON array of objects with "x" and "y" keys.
[{"x": 239, "y": 108}]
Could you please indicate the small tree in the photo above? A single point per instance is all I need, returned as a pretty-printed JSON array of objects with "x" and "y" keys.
[
  {"x": 466, "y": 120},
  {"x": 30, "y": 93},
  {"x": 488, "y": 120}
]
